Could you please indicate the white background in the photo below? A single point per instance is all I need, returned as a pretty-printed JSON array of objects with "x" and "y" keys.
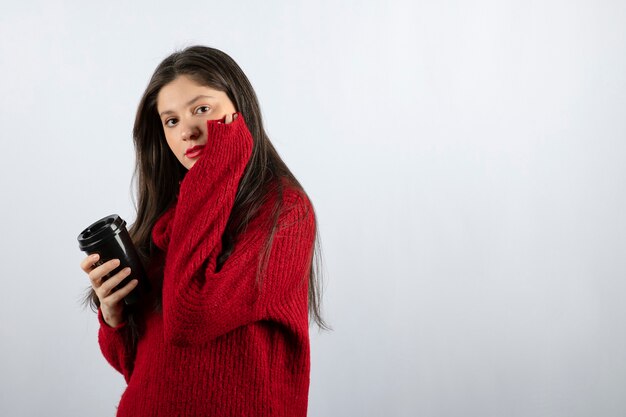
[{"x": 466, "y": 161}]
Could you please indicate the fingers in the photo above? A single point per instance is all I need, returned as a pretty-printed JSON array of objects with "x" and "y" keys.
[
  {"x": 88, "y": 263},
  {"x": 106, "y": 287},
  {"x": 96, "y": 274},
  {"x": 229, "y": 118},
  {"x": 115, "y": 298}
]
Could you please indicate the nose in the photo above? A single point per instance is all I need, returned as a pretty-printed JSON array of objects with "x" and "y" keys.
[{"x": 190, "y": 131}]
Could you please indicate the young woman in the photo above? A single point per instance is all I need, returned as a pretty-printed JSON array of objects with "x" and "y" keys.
[{"x": 228, "y": 235}]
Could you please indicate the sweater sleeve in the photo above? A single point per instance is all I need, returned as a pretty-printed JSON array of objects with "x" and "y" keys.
[
  {"x": 200, "y": 303},
  {"x": 111, "y": 341}
]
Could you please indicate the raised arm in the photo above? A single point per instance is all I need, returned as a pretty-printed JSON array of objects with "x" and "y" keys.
[{"x": 200, "y": 304}]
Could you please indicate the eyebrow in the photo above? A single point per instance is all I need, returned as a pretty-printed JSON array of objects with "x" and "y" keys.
[{"x": 189, "y": 103}]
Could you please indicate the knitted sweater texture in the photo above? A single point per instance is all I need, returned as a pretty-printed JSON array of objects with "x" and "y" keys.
[{"x": 222, "y": 345}]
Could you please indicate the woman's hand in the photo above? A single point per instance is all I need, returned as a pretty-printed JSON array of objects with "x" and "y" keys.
[
  {"x": 229, "y": 118},
  {"x": 111, "y": 303}
]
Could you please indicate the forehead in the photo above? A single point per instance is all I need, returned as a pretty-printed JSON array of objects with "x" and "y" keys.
[{"x": 178, "y": 92}]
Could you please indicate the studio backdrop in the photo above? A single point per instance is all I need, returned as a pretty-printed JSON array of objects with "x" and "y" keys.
[{"x": 465, "y": 160}]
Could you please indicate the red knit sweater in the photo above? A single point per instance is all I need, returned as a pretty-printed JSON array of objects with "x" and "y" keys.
[{"x": 221, "y": 346}]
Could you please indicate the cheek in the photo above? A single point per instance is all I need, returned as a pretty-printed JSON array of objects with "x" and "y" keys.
[
  {"x": 220, "y": 110},
  {"x": 228, "y": 108},
  {"x": 170, "y": 143},
  {"x": 215, "y": 113}
]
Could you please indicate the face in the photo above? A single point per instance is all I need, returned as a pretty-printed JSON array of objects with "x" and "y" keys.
[{"x": 184, "y": 107}]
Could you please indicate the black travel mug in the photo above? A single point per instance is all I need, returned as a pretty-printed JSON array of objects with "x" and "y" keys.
[{"x": 109, "y": 238}]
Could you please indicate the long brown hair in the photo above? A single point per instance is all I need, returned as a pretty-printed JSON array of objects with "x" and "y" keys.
[{"x": 158, "y": 173}]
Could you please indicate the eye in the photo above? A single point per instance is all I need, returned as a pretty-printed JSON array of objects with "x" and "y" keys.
[
  {"x": 170, "y": 122},
  {"x": 202, "y": 109}
]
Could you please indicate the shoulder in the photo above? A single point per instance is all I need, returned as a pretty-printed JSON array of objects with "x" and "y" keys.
[
  {"x": 296, "y": 207},
  {"x": 284, "y": 205},
  {"x": 294, "y": 197},
  {"x": 293, "y": 193}
]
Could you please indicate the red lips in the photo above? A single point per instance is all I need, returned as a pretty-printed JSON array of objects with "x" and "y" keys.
[{"x": 194, "y": 151}]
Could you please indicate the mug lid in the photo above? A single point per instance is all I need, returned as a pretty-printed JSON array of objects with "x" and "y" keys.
[{"x": 99, "y": 230}]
